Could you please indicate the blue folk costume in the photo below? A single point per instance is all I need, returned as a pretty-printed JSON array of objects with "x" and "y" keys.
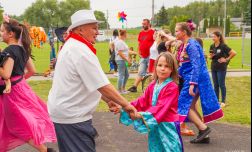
[
  {"x": 158, "y": 107},
  {"x": 193, "y": 70}
]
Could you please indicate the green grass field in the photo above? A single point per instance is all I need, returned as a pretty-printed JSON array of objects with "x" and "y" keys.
[
  {"x": 237, "y": 111},
  {"x": 42, "y": 55},
  {"x": 236, "y": 45}
]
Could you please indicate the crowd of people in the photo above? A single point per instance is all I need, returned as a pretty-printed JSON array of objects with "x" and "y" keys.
[
  {"x": 176, "y": 64},
  {"x": 194, "y": 80}
]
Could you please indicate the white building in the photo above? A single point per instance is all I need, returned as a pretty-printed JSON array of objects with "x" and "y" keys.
[{"x": 236, "y": 21}]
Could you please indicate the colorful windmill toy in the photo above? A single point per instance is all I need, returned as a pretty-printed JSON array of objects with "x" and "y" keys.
[{"x": 122, "y": 17}]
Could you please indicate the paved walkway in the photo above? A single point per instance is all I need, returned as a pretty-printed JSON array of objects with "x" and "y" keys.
[
  {"x": 114, "y": 137},
  {"x": 133, "y": 75}
]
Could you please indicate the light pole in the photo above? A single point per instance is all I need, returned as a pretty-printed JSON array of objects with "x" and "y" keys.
[
  {"x": 152, "y": 15},
  {"x": 225, "y": 16}
]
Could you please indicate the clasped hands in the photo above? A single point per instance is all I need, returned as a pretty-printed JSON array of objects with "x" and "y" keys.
[
  {"x": 220, "y": 60},
  {"x": 131, "y": 110}
]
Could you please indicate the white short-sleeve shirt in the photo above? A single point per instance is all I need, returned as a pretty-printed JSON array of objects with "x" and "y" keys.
[
  {"x": 78, "y": 74},
  {"x": 153, "y": 51},
  {"x": 120, "y": 45}
]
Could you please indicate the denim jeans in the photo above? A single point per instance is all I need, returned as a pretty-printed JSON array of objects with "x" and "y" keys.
[
  {"x": 123, "y": 74},
  {"x": 143, "y": 66},
  {"x": 219, "y": 82}
]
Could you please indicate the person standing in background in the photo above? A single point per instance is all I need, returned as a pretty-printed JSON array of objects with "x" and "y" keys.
[
  {"x": 121, "y": 58},
  {"x": 220, "y": 54},
  {"x": 145, "y": 41},
  {"x": 112, "y": 51}
]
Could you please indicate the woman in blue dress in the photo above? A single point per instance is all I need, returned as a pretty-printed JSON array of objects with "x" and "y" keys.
[{"x": 197, "y": 83}]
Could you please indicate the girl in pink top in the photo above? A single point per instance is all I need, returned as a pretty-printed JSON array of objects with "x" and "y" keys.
[
  {"x": 157, "y": 108},
  {"x": 23, "y": 115}
]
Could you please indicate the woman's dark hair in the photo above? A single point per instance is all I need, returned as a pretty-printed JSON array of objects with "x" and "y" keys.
[
  {"x": 200, "y": 41},
  {"x": 147, "y": 20},
  {"x": 20, "y": 31},
  {"x": 220, "y": 36},
  {"x": 115, "y": 33},
  {"x": 161, "y": 48}
]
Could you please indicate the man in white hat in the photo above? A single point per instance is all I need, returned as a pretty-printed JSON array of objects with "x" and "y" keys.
[{"x": 78, "y": 85}]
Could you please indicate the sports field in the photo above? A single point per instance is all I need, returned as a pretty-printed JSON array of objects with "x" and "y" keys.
[{"x": 42, "y": 55}]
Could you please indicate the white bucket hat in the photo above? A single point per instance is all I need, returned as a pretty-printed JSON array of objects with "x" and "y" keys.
[{"x": 82, "y": 17}]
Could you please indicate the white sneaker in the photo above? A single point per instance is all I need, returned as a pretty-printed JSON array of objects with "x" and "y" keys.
[
  {"x": 115, "y": 74},
  {"x": 124, "y": 92}
]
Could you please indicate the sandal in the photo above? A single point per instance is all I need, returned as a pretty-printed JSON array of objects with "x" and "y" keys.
[
  {"x": 184, "y": 131},
  {"x": 187, "y": 132}
]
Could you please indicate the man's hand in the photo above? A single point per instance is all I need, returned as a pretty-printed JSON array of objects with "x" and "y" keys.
[
  {"x": 113, "y": 107},
  {"x": 131, "y": 110}
]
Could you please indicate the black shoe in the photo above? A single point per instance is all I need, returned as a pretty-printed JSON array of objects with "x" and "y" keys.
[
  {"x": 202, "y": 134},
  {"x": 205, "y": 140},
  {"x": 133, "y": 89},
  {"x": 50, "y": 150}
]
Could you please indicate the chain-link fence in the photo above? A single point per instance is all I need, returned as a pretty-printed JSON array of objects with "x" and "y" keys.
[{"x": 246, "y": 46}]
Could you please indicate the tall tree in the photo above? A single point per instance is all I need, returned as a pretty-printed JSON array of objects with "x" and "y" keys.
[
  {"x": 52, "y": 13},
  {"x": 215, "y": 22},
  {"x": 214, "y": 8},
  {"x": 221, "y": 22},
  {"x": 1, "y": 14},
  {"x": 163, "y": 16},
  {"x": 182, "y": 18},
  {"x": 68, "y": 7},
  {"x": 247, "y": 17},
  {"x": 101, "y": 17},
  {"x": 42, "y": 13},
  {"x": 173, "y": 24},
  {"x": 205, "y": 25},
  {"x": 211, "y": 21},
  {"x": 227, "y": 25}
]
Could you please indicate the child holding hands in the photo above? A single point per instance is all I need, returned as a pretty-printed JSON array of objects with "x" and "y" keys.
[{"x": 157, "y": 108}]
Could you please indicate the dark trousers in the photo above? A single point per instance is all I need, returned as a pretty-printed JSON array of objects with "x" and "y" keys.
[
  {"x": 77, "y": 137},
  {"x": 219, "y": 78},
  {"x": 113, "y": 62}
]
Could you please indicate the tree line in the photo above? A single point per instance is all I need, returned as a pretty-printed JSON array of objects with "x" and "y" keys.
[
  {"x": 54, "y": 13},
  {"x": 199, "y": 10}
]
